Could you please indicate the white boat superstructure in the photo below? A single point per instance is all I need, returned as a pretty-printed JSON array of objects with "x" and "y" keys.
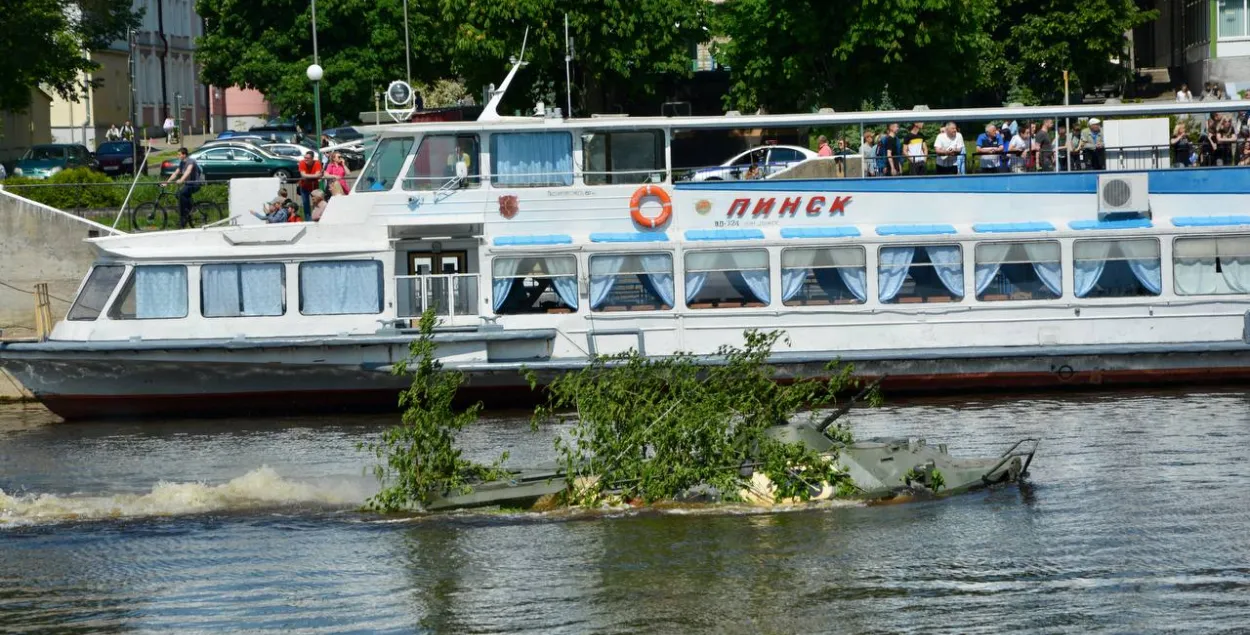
[{"x": 544, "y": 241}]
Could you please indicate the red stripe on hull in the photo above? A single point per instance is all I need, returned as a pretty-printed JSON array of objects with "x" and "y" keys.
[{"x": 382, "y": 400}]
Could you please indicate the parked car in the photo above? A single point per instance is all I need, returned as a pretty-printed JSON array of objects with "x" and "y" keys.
[
  {"x": 42, "y": 161},
  {"x": 120, "y": 157},
  {"x": 294, "y": 151},
  {"x": 243, "y": 138},
  {"x": 770, "y": 159},
  {"x": 222, "y": 161},
  {"x": 343, "y": 135},
  {"x": 229, "y": 134},
  {"x": 277, "y": 134}
]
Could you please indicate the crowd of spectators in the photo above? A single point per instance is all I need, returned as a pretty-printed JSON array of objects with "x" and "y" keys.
[{"x": 1008, "y": 146}]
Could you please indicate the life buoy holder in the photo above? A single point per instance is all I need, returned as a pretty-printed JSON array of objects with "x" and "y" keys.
[{"x": 666, "y": 206}]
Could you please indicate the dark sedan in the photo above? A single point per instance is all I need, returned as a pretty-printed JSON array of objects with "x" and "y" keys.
[
  {"x": 221, "y": 162},
  {"x": 120, "y": 157}
]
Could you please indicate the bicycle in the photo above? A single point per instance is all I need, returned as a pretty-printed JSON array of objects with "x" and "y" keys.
[{"x": 154, "y": 215}]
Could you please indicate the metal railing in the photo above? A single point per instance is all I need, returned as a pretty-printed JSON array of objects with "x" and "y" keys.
[{"x": 451, "y": 296}]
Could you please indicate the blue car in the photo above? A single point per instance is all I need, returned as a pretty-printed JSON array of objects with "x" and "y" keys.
[{"x": 43, "y": 161}]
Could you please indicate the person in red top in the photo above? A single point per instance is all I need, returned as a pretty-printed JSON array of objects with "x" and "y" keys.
[
  {"x": 822, "y": 146},
  {"x": 310, "y": 173}
]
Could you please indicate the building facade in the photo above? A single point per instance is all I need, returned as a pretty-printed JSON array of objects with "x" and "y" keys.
[
  {"x": 152, "y": 75},
  {"x": 1199, "y": 41}
]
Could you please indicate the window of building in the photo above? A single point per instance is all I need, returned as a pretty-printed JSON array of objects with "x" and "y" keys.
[
  {"x": 95, "y": 292},
  {"x": 384, "y": 165},
  {"x": 932, "y": 273},
  {"x": 437, "y": 163},
  {"x": 534, "y": 284},
  {"x": 1231, "y": 18},
  {"x": 531, "y": 159},
  {"x": 153, "y": 292},
  {"x": 630, "y": 156},
  {"x": 238, "y": 290},
  {"x": 824, "y": 275},
  {"x": 631, "y": 282},
  {"x": 726, "y": 279},
  {"x": 1211, "y": 266},
  {"x": 1018, "y": 271},
  {"x": 340, "y": 287},
  {"x": 1116, "y": 268}
]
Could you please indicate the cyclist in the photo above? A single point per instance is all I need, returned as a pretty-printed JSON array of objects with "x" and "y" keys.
[{"x": 191, "y": 177}]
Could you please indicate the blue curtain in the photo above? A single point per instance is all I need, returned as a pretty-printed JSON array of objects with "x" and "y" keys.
[
  {"x": 792, "y": 283},
  {"x": 856, "y": 281},
  {"x": 604, "y": 271},
  {"x": 500, "y": 287},
  {"x": 532, "y": 158},
  {"x": 895, "y": 261},
  {"x": 948, "y": 263},
  {"x": 219, "y": 290},
  {"x": 341, "y": 287},
  {"x": 1148, "y": 272},
  {"x": 1051, "y": 275},
  {"x": 659, "y": 276},
  {"x": 262, "y": 288},
  {"x": 1086, "y": 274},
  {"x": 566, "y": 288},
  {"x": 160, "y": 291},
  {"x": 694, "y": 284},
  {"x": 757, "y": 282}
]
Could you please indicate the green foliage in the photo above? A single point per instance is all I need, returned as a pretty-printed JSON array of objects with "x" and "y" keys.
[
  {"x": 267, "y": 45},
  {"x": 650, "y": 429},
  {"x": 419, "y": 459},
  {"x": 41, "y": 42},
  {"x": 86, "y": 189},
  {"x": 790, "y": 55},
  {"x": 931, "y": 478}
]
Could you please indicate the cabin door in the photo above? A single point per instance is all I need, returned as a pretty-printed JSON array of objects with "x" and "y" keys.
[{"x": 442, "y": 288}]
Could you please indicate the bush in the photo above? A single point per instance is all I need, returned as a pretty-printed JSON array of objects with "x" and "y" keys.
[{"x": 86, "y": 189}]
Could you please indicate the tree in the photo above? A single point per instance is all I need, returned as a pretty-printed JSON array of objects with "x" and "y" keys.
[
  {"x": 267, "y": 45},
  {"x": 789, "y": 55},
  {"x": 1042, "y": 38},
  {"x": 625, "y": 50},
  {"x": 793, "y": 55},
  {"x": 46, "y": 42}
]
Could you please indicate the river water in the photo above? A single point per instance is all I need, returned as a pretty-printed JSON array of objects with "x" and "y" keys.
[{"x": 1135, "y": 519}]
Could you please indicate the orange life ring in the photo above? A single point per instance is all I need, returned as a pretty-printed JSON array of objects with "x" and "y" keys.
[{"x": 666, "y": 206}]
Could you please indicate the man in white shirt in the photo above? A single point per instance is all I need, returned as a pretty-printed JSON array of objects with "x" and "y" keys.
[{"x": 948, "y": 146}]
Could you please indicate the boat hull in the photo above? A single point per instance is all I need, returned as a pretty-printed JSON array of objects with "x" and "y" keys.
[{"x": 206, "y": 382}]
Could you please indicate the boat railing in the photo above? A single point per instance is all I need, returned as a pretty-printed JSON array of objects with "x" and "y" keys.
[{"x": 452, "y": 296}]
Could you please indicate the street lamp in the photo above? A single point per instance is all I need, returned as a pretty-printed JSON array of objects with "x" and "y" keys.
[
  {"x": 178, "y": 116},
  {"x": 314, "y": 75}
]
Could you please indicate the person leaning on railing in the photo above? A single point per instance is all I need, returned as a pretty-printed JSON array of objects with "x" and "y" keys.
[{"x": 948, "y": 146}]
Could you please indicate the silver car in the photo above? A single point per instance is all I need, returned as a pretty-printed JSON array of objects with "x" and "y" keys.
[{"x": 769, "y": 159}]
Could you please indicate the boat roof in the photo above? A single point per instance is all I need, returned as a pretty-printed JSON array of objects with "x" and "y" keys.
[{"x": 804, "y": 120}]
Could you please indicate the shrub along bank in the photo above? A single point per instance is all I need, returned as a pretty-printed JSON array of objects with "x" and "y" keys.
[{"x": 86, "y": 190}]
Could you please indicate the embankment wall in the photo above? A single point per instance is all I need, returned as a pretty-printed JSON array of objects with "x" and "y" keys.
[{"x": 39, "y": 244}]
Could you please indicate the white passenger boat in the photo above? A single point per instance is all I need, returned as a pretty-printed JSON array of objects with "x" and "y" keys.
[{"x": 557, "y": 239}]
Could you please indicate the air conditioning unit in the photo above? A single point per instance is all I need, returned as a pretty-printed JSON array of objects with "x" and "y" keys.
[{"x": 1122, "y": 196}]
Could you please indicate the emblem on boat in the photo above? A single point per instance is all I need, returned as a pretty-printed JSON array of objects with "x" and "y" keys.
[
  {"x": 508, "y": 206},
  {"x": 703, "y": 207}
]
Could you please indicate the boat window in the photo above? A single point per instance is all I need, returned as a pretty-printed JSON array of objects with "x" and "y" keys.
[
  {"x": 928, "y": 273},
  {"x": 436, "y": 164},
  {"x": 631, "y": 156},
  {"x": 153, "y": 292},
  {"x": 534, "y": 284},
  {"x": 1018, "y": 271},
  {"x": 727, "y": 279},
  {"x": 340, "y": 287},
  {"x": 1211, "y": 266},
  {"x": 631, "y": 282},
  {"x": 238, "y": 290},
  {"x": 384, "y": 165},
  {"x": 95, "y": 292},
  {"x": 531, "y": 159},
  {"x": 825, "y": 275},
  {"x": 1116, "y": 268}
]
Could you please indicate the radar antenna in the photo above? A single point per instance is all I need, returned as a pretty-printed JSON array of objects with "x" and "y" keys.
[{"x": 490, "y": 112}]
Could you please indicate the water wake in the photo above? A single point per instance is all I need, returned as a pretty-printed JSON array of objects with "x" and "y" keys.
[{"x": 258, "y": 489}]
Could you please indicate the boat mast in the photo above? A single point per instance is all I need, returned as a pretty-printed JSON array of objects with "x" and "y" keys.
[{"x": 491, "y": 111}]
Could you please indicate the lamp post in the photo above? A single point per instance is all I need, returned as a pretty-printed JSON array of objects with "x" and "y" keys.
[
  {"x": 178, "y": 116},
  {"x": 314, "y": 75}
]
